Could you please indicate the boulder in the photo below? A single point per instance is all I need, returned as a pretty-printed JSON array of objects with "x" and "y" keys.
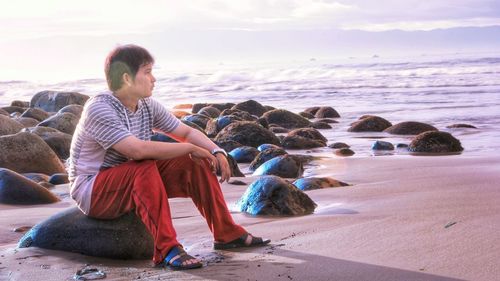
[
  {"x": 76, "y": 109},
  {"x": 382, "y": 145},
  {"x": 344, "y": 152},
  {"x": 27, "y": 121},
  {"x": 35, "y": 113},
  {"x": 26, "y": 153},
  {"x": 220, "y": 106},
  {"x": 317, "y": 183},
  {"x": 52, "y": 101},
  {"x": 327, "y": 120},
  {"x": 312, "y": 110},
  {"x": 286, "y": 119},
  {"x": 59, "y": 178},
  {"x": 402, "y": 146},
  {"x": 36, "y": 177},
  {"x": 20, "y": 103},
  {"x": 13, "y": 109},
  {"x": 247, "y": 133},
  {"x": 309, "y": 133},
  {"x": 435, "y": 142},
  {"x": 243, "y": 115},
  {"x": 125, "y": 237},
  {"x": 9, "y": 126},
  {"x": 306, "y": 115},
  {"x": 320, "y": 125},
  {"x": 265, "y": 146},
  {"x": 461, "y": 126},
  {"x": 326, "y": 112},
  {"x": 214, "y": 126},
  {"x": 370, "y": 124},
  {"x": 278, "y": 130},
  {"x": 338, "y": 145},
  {"x": 298, "y": 142},
  {"x": 16, "y": 189},
  {"x": 198, "y": 119},
  {"x": 65, "y": 122},
  {"x": 271, "y": 195},
  {"x": 265, "y": 156},
  {"x": 244, "y": 154},
  {"x": 284, "y": 166},
  {"x": 251, "y": 107},
  {"x": 409, "y": 128},
  {"x": 209, "y": 111},
  {"x": 3, "y": 112},
  {"x": 228, "y": 145}
]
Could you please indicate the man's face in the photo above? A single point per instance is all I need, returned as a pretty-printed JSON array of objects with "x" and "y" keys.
[{"x": 144, "y": 81}]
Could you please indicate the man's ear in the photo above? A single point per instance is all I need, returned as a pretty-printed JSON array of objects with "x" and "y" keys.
[{"x": 127, "y": 79}]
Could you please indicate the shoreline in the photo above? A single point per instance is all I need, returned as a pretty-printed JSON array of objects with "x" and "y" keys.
[{"x": 404, "y": 218}]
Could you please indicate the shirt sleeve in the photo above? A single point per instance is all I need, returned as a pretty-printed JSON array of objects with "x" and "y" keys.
[
  {"x": 163, "y": 120},
  {"x": 104, "y": 125}
]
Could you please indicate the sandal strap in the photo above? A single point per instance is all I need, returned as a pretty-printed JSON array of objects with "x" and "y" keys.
[{"x": 174, "y": 254}]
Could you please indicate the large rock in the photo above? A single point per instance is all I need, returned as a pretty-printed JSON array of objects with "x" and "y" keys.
[
  {"x": 317, "y": 183},
  {"x": 214, "y": 126},
  {"x": 9, "y": 126},
  {"x": 284, "y": 166},
  {"x": 76, "y": 109},
  {"x": 209, "y": 111},
  {"x": 35, "y": 113},
  {"x": 266, "y": 155},
  {"x": 3, "y": 112},
  {"x": 27, "y": 121},
  {"x": 27, "y": 153},
  {"x": 409, "y": 128},
  {"x": 326, "y": 112},
  {"x": 286, "y": 119},
  {"x": 123, "y": 238},
  {"x": 244, "y": 154},
  {"x": 271, "y": 195},
  {"x": 309, "y": 133},
  {"x": 220, "y": 106},
  {"x": 65, "y": 122},
  {"x": 14, "y": 109},
  {"x": 247, "y": 133},
  {"x": 370, "y": 124},
  {"x": 298, "y": 142},
  {"x": 435, "y": 142},
  {"x": 59, "y": 142},
  {"x": 52, "y": 101},
  {"x": 16, "y": 189},
  {"x": 251, "y": 107},
  {"x": 198, "y": 119},
  {"x": 243, "y": 115}
]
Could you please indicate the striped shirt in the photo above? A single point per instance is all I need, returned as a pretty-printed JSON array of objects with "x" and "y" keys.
[{"x": 105, "y": 121}]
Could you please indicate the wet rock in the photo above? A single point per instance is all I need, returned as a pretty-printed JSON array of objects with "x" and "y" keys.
[
  {"x": 52, "y": 101},
  {"x": 228, "y": 145},
  {"x": 339, "y": 145},
  {"x": 328, "y": 121},
  {"x": 265, "y": 156},
  {"x": 209, "y": 111},
  {"x": 16, "y": 189},
  {"x": 251, "y": 107},
  {"x": 435, "y": 142},
  {"x": 198, "y": 119},
  {"x": 283, "y": 166},
  {"x": 13, "y": 109},
  {"x": 214, "y": 126},
  {"x": 36, "y": 113},
  {"x": 344, "y": 152},
  {"x": 247, "y": 133},
  {"x": 36, "y": 177},
  {"x": 278, "y": 130},
  {"x": 312, "y": 110},
  {"x": 461, "y": 126},
  {"x": 370, "y": 124},
  {"x": 237, "y": 182},
  {"x": 76, "y": 109},
  {"x": 9, "y": 126},
  {"x": 220, "y": 106},
  {"x": 265, "y": 146},
  {"x": 309, "y": 133},
  {"x": 271, "y": 195},
  {"x": 286, "y": 119},
  {"x": 125, "y": 237},
  {"x": 27, "y": 121},
  {"x": 59, "y": 142},
  {"x": 244, "y": 154},
  {"x": 193, "y": 125},
  {"x": 409, "y": 128},
  {"x": 317, "y": 183},
  {"x": 26, "y": 152},
  {"x": 306, "y": 115},
  {"x": 40, "y": 130},
  {"x": 3, "y": 112},
  {"x": 263, "y": 122},
  {"x": 298, "y": 142},
  {"x": 326, "y": 112},
  {"x": 382, "y": 145},
  {"x": 20, "y": 103},
  {"x": 243, "y": 115},
  {"x": 401, "y": 145},
  {"x": 320, "y": 125},
  {"x": 65, "y": 122},
  {"x": 59, "y": 178}
]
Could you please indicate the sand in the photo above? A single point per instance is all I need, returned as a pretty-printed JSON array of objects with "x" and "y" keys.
[{"x": 404, "y": 218}]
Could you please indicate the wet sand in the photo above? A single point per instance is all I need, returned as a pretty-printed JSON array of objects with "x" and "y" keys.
[{"x": 404, "y": 218}]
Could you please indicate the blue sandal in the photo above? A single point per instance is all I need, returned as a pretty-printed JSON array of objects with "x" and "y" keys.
[{"x": 176, "y": 258}]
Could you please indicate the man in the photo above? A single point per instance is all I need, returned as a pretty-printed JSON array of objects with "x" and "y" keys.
[{"x": 115, "y": 168}]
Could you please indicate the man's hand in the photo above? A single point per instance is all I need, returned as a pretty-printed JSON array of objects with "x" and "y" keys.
[
  {"x": 199, "y": 154},
  {"x": 223, "y": 166}
]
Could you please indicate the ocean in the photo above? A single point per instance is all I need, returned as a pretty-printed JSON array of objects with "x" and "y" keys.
[{"x": 439, "y": 90}]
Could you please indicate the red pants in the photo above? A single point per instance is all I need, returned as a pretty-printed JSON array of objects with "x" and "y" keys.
[{"x": 146, "y": 186}]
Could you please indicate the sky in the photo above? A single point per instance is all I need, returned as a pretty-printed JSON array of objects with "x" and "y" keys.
[{"x": 70, "y": 38}]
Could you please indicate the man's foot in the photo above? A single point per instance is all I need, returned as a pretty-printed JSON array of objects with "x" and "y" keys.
[
  {"x": 246, "y": 240},
  {"x": 178, "y": 259}
]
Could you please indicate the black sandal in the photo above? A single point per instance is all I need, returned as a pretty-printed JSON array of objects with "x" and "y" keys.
[
  {"x": 245, "y": 241},
  {"x": 177, "y": 256}
]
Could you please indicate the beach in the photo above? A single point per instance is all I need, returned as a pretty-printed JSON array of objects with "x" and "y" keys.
[{"x": 403, "y": 218}]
